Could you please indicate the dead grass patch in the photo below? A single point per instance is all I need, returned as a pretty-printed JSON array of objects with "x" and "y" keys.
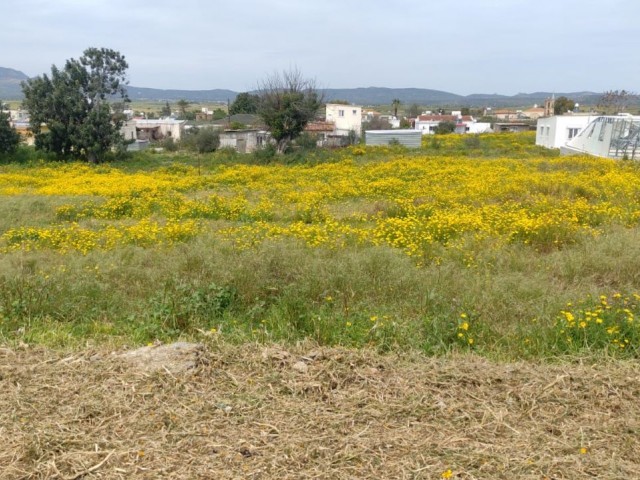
[{"x": 269, "y": 412}]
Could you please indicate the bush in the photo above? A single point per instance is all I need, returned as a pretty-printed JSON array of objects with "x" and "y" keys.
[
  {"x": 307, "y": 141},
  {"x": 25, "y": 154},
  {"x": 169, "y": 145},
  {"x": 207, "y": 140},
  {"x": 203, "y": 140},
  {"x": 472, "y": 141},
  {"x": 265, "y": 154},
  {"x": 444, "y": 128}
]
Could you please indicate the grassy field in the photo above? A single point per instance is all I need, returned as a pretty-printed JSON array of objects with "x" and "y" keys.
[
  {"x": 486, "y": 244},
  {"x": 465, "y": 310}
]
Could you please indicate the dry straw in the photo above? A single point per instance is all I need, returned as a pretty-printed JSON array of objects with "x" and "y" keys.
[{"x": 302, "y": 412}]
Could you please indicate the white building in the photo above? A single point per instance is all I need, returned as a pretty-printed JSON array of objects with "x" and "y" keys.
[
  {"x": 139, "y": 129},
  {"x": 346, "y": 118},
  {"x": 556, "y": 131},
  {"x": 428, "y": 123},
  {"x": 244, "y": 141},
  {"x": 612, "y": 136}
]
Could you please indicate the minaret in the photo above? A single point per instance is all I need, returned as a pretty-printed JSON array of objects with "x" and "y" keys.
[{"x": 549, "y": 106}]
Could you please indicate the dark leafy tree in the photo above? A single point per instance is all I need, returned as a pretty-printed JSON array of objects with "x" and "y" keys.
[
  {"x": 413, "y": 111},
  {"x": 73, "y": 103},
  {"x": 9, "y": 138},
  {"x": 117, "y": 111},
  {"x": 444, "y": 128},
  {"x": 166, "y": 110},
  {"x": 219, "y": 114},
  {"x": 287, "y": 103},
  {"x": 563, "y": 105},
  {"x": 207, "y": 140},
  {"x": 395, "y": 104},
  {"x": 201, "y": 140},
  {"x": 182, "y": 105},
  {"x": 244, "y": 103}
]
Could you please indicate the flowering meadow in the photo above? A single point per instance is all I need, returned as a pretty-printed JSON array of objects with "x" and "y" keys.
[{"x": 381, "y": 246}]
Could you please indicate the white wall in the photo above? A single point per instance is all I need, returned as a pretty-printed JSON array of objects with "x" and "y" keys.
[
  {"x": 556, "y": 131},
  {"x": 428, "y": 127},
  {"x": 345, "y": 117},
  {"x": 479, "y": 127}
]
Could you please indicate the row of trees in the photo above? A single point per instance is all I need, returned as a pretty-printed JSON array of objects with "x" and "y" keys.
[{"x": 71, "y": 112}]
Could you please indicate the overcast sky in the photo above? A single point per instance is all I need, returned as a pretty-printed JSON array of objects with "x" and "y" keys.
[{"x": 460, "y": 46}]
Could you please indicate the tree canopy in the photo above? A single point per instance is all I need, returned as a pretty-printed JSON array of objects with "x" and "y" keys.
[
  {"x": 182, "y": 105},
  {"x": 244, "y": 103},
  {"x": 165, "y": 111},
  {"x": 395, "y": 104},
  {"x": 445, "y": 128},
  {"x": 9, "y": 138},
  {"x": 287, "y": 103},
  {"x": 563, "y": 105},
  {"x": 73, "y": 104},
  {"x": 413, "y": 111}
]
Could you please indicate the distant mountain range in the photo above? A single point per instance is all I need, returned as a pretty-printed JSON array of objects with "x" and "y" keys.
[{"x": 10, "y": 90}]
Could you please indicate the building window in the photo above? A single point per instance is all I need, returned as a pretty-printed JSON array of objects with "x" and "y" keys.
[
  {"x": 541, "y": 130},
  {"x": 341, "y": 113},
  {"x": 572, "y": 132},
  {"x": 603, "y": 127},
  {"x": 355, "y": 112},
  {"x": 548, "y": 130}
]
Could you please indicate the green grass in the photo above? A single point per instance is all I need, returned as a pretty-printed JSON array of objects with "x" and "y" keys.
[
  {"x": 505, "y": 303},
  {"x": 284, "y": 291}
]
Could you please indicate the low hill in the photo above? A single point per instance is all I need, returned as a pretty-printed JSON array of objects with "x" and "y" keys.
[
  {"x": 383, "y": 96},
  {"x": 10, "y": 83},
  {"x": 10, "y": 90},
  {"x": 215, "y": 95},
  {"x": 380, "y": 96}
]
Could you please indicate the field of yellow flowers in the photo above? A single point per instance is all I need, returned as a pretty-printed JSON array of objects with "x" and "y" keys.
[{"x": 441, "y": 209}]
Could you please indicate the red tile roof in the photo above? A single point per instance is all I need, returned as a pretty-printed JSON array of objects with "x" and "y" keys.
[{"x": 320, "y": 127}]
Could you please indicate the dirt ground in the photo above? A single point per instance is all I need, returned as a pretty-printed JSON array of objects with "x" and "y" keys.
[{"x": 256, "y": 412}]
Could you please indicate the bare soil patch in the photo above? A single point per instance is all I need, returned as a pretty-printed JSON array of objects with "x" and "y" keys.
[{"x": 288, "y": 413}]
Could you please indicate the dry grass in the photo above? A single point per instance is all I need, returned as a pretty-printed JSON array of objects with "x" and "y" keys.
[{"x": 258, "y": 412}]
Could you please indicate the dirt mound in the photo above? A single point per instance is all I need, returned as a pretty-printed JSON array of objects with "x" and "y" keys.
[
  {"x": 176, "y": 357},
  {"x": 270, "y": 412}
]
